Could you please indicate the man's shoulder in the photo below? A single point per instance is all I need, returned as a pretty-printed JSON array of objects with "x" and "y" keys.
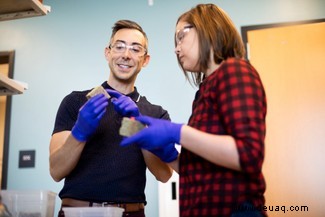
[
  {"x": 143, "y": 100},
  {"x": 151, "y": 109},
  {"x": 76, "y": 96}
]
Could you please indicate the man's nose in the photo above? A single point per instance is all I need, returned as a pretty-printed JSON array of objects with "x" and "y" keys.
[{"x": 127, "y": 52}]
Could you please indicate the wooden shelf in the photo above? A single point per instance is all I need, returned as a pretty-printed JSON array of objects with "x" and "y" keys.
[
  {"x": 9, "y": 86},
  {"x": 17, "y": 9}
]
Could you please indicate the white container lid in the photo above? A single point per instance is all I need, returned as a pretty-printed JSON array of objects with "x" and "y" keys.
[{"x": 93, "y": 211}]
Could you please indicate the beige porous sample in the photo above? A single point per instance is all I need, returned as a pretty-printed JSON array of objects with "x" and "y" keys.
[
  {"x": 98, "y": 90},
  {"x": 130, "y": 127}
]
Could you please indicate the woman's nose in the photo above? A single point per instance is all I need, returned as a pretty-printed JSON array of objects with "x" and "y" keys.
[{"x": 177, "y": 49}]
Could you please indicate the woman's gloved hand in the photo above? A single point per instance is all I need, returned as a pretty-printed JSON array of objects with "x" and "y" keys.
[
  {"x": 89, "y": 117},
  {"x": 158, "y": 137}
]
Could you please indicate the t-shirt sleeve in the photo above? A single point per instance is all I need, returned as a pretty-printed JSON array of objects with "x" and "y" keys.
[{"x": 68, "y": 112}]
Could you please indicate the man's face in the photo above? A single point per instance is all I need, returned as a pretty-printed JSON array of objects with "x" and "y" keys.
[{"x": 126, "y": 55}]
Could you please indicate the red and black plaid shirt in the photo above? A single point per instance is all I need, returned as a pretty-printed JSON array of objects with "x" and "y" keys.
[{"x": 231, "y": 101}]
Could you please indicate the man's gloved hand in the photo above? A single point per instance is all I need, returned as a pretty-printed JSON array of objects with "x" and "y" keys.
[
  {"x": 89, "y": 117},
  {"x": 123, "y": 105},
  {"x": 167, "y": 154},
  {"x": 159, "y": 137}
]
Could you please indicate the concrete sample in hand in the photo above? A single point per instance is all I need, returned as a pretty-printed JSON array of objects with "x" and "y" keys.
[
  {"x": 97, "y": 90},
  {"x": 130, "y": 126}
]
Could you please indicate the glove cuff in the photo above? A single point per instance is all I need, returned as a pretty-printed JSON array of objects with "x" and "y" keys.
[
  {"x": 78, "y": 135},
  {"x": 177, "y": 132}
]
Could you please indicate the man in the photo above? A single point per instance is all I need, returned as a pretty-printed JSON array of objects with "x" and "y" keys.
[{"x": 84, "y": 148}]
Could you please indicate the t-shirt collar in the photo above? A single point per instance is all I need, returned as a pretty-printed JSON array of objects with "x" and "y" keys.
[{"x": 135, "y": 96}]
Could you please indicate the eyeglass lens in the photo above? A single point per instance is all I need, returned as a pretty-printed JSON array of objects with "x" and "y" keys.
[
  {"x": 120, "y": 47},
  {"x": 182, "y": 33}
]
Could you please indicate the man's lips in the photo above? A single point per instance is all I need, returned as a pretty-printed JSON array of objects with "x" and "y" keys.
[{"x": 124, "y": 66}]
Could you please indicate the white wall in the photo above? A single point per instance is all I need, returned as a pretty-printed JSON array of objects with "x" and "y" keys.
[{"x": 63, "y": 51}]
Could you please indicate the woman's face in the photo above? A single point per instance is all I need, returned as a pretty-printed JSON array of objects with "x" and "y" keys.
[{"x": 187, "y": 47}]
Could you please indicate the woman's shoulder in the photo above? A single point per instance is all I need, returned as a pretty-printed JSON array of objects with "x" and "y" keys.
[
  {"x": 236, "y": 65},
  {"x": 235, "y": 61}
]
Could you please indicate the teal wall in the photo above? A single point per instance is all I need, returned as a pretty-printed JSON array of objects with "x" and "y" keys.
[{"x": 64, "y": 51}]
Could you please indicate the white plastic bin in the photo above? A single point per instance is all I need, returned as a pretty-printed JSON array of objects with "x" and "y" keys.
[
  {"x": 29, "y": 203},
  {"x": 93, "y": 211}
]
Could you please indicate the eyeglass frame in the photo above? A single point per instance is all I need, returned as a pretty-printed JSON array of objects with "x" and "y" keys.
[
  {"x": 182, "y": 31},
  {"x": 129, "y": 47}
]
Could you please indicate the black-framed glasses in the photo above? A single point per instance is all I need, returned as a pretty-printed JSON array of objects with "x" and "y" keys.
[
  {"x": 181, "y": 33},
  {"x": 135, "y": 49}
]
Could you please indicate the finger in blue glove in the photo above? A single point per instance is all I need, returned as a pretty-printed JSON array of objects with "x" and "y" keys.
[
  {"x": 158, "y": 134},
  {"x": 114, "y": 93},
  {"x": 123, "y": 105},
  {"x": 89, "y": 117}
]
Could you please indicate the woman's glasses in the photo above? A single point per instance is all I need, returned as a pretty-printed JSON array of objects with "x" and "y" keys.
[{"x": 181, "y": 33}]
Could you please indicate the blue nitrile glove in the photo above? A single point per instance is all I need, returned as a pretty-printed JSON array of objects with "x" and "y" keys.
[
  {"x": 167, "y": 154},
  {"x": 89, "y": 117},
  {"x": 123, "y": 105},
  {"x": 159, "y": 134}
]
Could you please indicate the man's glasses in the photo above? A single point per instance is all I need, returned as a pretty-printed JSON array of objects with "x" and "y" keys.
[
  {"x": 181, "y": 33},
  {"x": 135, "y": 49}
]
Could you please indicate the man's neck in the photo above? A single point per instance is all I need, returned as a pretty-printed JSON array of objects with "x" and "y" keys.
[{"x": 121, "y": 87}]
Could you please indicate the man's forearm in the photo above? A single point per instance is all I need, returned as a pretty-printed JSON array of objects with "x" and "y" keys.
[{"x": 65, "y": 152}]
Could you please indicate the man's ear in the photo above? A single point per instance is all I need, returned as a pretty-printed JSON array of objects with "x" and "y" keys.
[
  {"x": 107, "y": 52},
  {"x": 146, "y": 60}
]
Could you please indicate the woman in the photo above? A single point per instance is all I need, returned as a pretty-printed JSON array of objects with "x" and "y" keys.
[{"x": 220, "y": 165}]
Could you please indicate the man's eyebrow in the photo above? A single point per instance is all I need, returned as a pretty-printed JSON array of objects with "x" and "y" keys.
[
  {"x": 120, "y": 41},
  {"x": 133, "y": 43}
]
